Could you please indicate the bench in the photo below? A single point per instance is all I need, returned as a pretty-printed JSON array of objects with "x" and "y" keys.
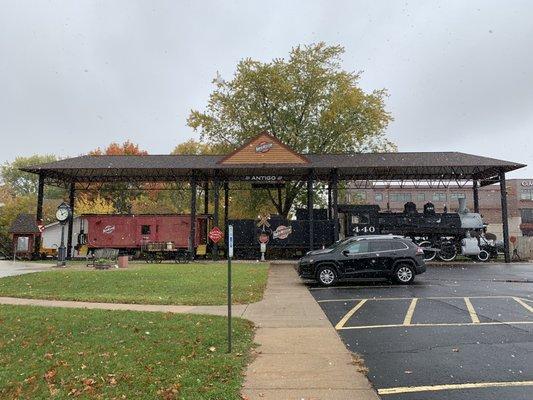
[{"x": 104, "y": 258}]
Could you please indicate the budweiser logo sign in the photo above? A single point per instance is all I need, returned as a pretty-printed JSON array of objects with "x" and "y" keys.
[{"x": 263, "y": 147}]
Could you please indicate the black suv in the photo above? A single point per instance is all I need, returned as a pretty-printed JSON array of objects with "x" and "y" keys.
[{"x": 376, "y": 256}]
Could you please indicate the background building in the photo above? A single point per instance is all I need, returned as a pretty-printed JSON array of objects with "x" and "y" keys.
[{"x": 519, "y": 197}]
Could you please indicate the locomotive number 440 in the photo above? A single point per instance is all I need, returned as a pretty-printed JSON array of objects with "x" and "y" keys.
[{"x": 364, "y": 229}]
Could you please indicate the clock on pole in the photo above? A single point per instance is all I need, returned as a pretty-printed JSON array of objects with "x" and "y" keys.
[{"x": 63, "y": 215}]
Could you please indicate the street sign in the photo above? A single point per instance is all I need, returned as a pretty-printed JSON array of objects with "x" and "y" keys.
[
  {"x": 264, "y": 238},
  {"x": 215, "y": 234},
  {"x": 230, "y": 241}
]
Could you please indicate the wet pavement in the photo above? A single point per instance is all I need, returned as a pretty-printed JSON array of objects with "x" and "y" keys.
[{"x": 461, "y": 331}]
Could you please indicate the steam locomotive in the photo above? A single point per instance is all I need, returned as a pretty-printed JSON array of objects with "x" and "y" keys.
[{"x": 441, "y": 235}]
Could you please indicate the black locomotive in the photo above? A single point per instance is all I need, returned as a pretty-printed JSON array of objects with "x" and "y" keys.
[{"x": 442, "y": 235}]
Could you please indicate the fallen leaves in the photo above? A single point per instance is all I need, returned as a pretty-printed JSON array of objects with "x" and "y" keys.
[
  {"x": 49, "y": 376},
  {"x": 170, "y": 393}
]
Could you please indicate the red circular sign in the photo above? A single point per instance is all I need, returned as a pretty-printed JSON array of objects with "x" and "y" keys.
[
  {"x": 215, "y": 234},
  {"x": 264, "y": 238}
]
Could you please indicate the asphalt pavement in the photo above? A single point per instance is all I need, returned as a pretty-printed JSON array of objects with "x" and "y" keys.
[{"x": 459, "y": 332}]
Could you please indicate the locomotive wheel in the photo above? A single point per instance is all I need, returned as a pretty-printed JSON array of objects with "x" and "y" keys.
[
  {"x": 483, "y": 256},
  {"x": 448, "y": 252},
  {"x": 429, "y": 255}
]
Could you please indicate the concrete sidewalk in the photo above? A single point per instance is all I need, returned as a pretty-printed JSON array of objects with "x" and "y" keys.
[
  {"x": 300, "y": 354},
  {"x": 10, "y": 268},
  {"x": 238, "y": 310}
]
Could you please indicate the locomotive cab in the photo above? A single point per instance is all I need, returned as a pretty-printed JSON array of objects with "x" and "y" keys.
[{"x": 359, "y": 219}]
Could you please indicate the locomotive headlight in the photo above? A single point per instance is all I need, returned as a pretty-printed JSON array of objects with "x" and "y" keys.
[{"x": 311, "y": 261}]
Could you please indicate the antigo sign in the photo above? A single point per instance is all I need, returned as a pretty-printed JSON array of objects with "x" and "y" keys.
[{"x": 264, "y": 178}]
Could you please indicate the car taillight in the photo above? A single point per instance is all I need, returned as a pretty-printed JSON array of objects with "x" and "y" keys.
[{"x": 419, "y": 251}]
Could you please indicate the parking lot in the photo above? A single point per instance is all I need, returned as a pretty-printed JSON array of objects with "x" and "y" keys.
[{"x": 461, "y": 331}]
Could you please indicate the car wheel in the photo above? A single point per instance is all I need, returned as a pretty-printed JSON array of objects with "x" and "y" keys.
[
  {"x": 404, "y": 274},
  {"x": 327, "y": 275},
  {"x": 483, "y": 256}
]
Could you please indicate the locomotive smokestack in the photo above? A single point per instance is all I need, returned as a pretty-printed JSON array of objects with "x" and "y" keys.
[{"x": 462, "y": 205}]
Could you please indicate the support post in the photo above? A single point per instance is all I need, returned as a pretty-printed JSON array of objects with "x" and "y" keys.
[
  {"x": 476, "y": 195},
  {"x": 335, "y": 199},
  {"x": 39, "y": 215},
  {"x": 71, "y": 198},
  {"x": 206, "y": 197},
  {"x": 329, "y": 200},
  {"x": 226, "y": 211},
  {"x": 192, "y": 235},
  {"x": 505, "y": 221},
  {"x": 215, "y": 213},
  {"x": 310, "y": 179},
  {"x": 206, "y": 207}
]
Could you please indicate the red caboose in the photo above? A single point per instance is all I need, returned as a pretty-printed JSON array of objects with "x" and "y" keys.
[{"x": 131, "y": 232}]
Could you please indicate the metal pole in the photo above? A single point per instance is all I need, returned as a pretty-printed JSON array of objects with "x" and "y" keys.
[
  {"x": 192, "y": 236},
  {"x": 476, "y": 195},
  {"x": 39, "y": 215},
  {"x": 62, "y": 250},
  {"x": 310, "y": 208},
  {"x": 215, "y": 213},
  {"x": 505, "y": 221},
  {"x": 71, "y": 198},
  {"x": 230, "y": 255},
  {"x": 335, "y": 193}
]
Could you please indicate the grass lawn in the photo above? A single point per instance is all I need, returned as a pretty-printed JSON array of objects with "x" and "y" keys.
[
  {"x": 53, "y": 353},
  {"x": 191, "y": 284}
]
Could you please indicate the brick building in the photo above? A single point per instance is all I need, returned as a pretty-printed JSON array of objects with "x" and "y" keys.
[{"x": 519, "y": 192}]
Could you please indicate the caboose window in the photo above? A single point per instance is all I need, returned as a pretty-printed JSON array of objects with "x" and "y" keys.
[{"x": 145, "y": 229}]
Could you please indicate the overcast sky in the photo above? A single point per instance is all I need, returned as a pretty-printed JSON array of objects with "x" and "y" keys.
[{"x": 75, "y": 75}]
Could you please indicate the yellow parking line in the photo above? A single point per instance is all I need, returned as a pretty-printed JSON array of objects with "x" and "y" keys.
[
  {"x": 421, "y": 298},
  {"x": 410, "y": 311},
  {"x": 349, "y": 314},
  {"x": 455, "y": 386},
  {"x": 471, "y": 311},
  {"x": 526, "y": 306},
  {"x": 435, "y": 325}
]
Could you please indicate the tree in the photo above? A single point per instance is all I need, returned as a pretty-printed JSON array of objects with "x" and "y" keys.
[
  {"x": 24, "y": 183},
  {"x": 93, "y": 205},
  {"x": 125, "y": 149},
  {"x": 122, "y": 194},
  {"x": 307, "y": 101},
  {"x": 192, "y": 146}
]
